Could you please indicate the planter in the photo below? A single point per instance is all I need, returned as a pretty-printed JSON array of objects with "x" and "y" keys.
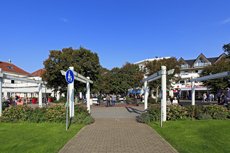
[
  {"x": 34, "y": 101},
  {"x": 49, "y": 100}
]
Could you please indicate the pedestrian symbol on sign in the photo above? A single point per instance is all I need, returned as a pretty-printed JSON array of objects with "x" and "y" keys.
[{"x": 69, "y": 76}]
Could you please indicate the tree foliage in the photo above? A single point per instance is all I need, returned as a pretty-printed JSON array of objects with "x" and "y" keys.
[
  {"x": 155, "y": 66},
  {"x": 119, "y": 80},
  {"x": 84, "y": 62},
  {"x": 226, "y": 48},
  {"x": 220, "y": 83}
]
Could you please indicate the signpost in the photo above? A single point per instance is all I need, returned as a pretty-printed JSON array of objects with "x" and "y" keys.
[{"x": 69, "y": 78}]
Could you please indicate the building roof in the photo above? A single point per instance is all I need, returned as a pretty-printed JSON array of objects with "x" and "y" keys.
[
  {"x": 38, "y": 72},
  {"x": 212, "y": 60},
  {"x": 9, "y": 67}
]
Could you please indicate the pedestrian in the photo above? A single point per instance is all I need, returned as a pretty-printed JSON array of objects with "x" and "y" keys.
[
  {"x": 16, "y": 99},
  {"x": 204, "y": 97},
  {"x": 108, "y": 100},
  {"x": 113, "y": 100},
  {"x": 175, "y": 101},
  {"x": 210, "y": 97},
  {"x": 218, "y": 95},
  {"x": 168, "y": 102},
  {"x": 99, "y": 99}
]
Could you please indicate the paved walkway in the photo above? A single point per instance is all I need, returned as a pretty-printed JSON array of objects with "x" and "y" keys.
[{"x": 116, "y": 130}]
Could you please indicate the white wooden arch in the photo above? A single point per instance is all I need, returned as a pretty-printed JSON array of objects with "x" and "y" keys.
[{"x": 70, "y": 87}]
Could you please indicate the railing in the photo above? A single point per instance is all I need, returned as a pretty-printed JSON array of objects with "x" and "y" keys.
[
  {"x": 201, "y": 64},
  {"x": 184, "y": 66}
]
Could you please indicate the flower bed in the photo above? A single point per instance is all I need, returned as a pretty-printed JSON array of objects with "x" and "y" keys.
[
  {"x": 54, "y": 113},
  {"x": 177, "y": 112}
]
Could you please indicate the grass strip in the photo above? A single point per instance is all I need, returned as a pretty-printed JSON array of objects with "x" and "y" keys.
[
  {"x": 196, "y": 136},
  {"x": 35, "y": 137}
]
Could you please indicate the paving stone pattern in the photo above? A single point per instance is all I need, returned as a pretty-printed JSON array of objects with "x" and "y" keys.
[{"x": 116, "y": 130}]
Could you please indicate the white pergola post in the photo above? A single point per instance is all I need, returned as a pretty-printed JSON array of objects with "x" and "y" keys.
[
  {"x": 163, "y": 88},
  {"x": 71, "y": 96},
  {"x": 1, "y": 75},
  {"x": 193, "y": 92},
  {"x": 40, "y": 95},
  {"x": 88, "y": 94},
  {"x": 145, "y": 94}
]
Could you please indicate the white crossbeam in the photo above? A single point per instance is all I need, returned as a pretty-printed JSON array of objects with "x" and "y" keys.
[
  {"x": 214, "y": 76},
  {"x": 78, "y": 77}
]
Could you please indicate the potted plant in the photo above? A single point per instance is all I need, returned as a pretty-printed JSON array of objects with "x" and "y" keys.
[
  {"x": 34, "y": 100},
  {"x": 10, "y": 99},
  {"x": 50, "y": 97}
]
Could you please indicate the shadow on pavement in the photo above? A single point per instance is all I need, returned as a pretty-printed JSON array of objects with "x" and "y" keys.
[{"x": 133, "y": 110}]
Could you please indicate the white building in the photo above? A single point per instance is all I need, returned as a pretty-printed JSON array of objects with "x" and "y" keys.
[
  {"x": 23, "y": 89},
  {"x": 193, "y": 67}
]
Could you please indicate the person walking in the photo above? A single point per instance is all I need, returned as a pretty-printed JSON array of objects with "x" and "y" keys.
[
  {"x": 204, "y": 97},
  {"x": 218, "y": 95},
  {"x": 113, "y": 100},
  {"x": 99, "y": 99},
  {"x": 108, "y": 100}
]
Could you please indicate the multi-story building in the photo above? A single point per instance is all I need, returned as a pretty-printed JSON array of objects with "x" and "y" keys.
[
  {"x": 193, "y": 67},
  {"x": 21, "y": 88}
]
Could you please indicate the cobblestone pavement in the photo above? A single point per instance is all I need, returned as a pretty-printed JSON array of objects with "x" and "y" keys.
[
  {"x": 116, "y": 112},
  {"x": 116, "y": 130}
]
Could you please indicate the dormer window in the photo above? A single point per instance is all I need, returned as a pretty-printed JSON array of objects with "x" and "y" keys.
[
  {"x": 9, "y": 67},
  {"x": 36, "y": 72}
]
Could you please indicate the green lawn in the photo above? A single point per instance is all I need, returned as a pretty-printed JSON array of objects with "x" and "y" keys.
[
  {"x": 35, "y": 137},
  {"x": 196, "y": 136}
]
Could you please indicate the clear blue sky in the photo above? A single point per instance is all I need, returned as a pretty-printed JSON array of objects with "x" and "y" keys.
[{"x": 118, "y": 30}]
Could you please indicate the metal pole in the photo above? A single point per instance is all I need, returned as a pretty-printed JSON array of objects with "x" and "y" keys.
[
  {"x": 67, "y": 107},
  {"x": 71, "y": 96},
  {"x": 0, "y": 94},
  {"x": 193, "y": 92},
  {"x": 88, "y": 94},
  {"x": 163, "y": 87},
  {"x": 145, "y": 95}
]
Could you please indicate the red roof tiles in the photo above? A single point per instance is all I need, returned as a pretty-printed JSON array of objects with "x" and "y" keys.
[
  {"x": 38, "y": 72},
  {"x": 9, "y": 67}
]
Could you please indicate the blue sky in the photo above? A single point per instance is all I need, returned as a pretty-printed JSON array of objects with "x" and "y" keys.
[{"x": 118, "y": 30}]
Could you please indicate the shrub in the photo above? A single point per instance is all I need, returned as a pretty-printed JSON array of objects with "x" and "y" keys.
[
  {"x": 213, "y": 110},
  {"x": 221, "y": 116},
  {"x": 176, "y": 112},
  {"x": 147, "y": 118},
  {"x": 153, "y": 101},
  {"x": 204, "y": 116}
]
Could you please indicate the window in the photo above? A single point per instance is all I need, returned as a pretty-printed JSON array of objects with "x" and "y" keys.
[
  {"x": 141, "y": 67},
  {"x": 186, "y": 72},
  {"x": 182, "y": 72},
  {"x": 12, "y": 81},
  {"x": 199, "y": 71},
  {"x": 36, "y": 72},
  {"x": 9, "y": 67}
]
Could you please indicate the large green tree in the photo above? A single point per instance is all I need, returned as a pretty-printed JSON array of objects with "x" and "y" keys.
[
  {"x": 155, "y": 66},
  {"x": 84, "y": 62},
  {"x": 220, "y": 83}
]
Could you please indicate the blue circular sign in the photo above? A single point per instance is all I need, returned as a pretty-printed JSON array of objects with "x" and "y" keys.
[{"x": 69, "y": 76}]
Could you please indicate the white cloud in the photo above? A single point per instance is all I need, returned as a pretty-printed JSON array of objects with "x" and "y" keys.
[
  {"x": 64, "y": 19},
  {"x": 225, "y": 21}
]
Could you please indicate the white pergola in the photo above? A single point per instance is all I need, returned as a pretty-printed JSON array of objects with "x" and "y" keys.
[
  {"x": 10, "y": 77},
  {"x": 70, "y": 87},
  {"x": 161, "y": 74},
  {"x": 209, "y": 77}
]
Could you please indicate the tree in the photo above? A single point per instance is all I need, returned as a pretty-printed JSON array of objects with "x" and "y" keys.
[
  {"x": 131, "y": 76},
  {"x": 220, "y": 83},
  {"x": 84, "y": 62},
  {"x": 155, "y": 66},
  {"x": 226, "y": 48}
]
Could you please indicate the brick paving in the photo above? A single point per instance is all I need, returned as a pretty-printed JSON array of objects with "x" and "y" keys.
[{"x": 116, "y": 130}]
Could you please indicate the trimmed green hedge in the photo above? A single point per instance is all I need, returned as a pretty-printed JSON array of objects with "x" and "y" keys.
[
  {"x": 54, "y": 113},
  {"x": 177, "y": 112}
]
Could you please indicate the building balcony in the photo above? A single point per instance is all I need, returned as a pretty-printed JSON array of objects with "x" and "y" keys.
[
  {"x": 184, "y": 66},
  {"x": 202, "y": 64}
]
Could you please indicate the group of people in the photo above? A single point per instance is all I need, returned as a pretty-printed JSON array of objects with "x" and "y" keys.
[
  {"x": 174, "y": 101},
  {"x": 111, "y": 98},
  {"x": 206, "y": 98}
]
